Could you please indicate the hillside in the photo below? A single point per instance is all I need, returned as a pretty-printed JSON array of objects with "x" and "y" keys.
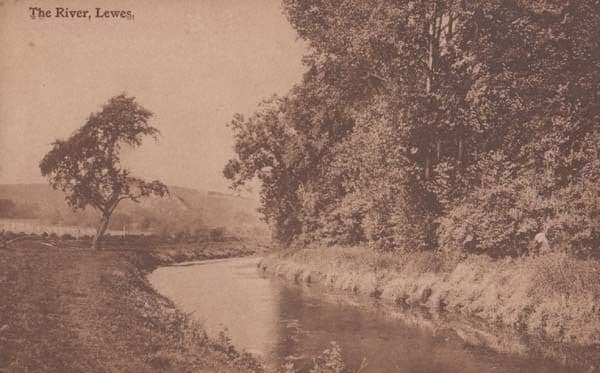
[{"x": 183, "y": 210}]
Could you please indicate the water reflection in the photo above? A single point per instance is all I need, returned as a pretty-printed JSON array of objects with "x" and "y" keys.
[
  {"x": 278, "y": 320},
  {"x": 225, "y": 294}
]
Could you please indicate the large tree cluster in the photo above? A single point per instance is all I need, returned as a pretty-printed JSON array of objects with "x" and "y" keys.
[{"x": 442, "y": 124}]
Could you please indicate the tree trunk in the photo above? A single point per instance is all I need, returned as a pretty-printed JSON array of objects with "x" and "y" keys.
[
  {"x": 96, "y": 244},
  {"x": 431, "y": 54},
  {"x": 432, "y": 45}
]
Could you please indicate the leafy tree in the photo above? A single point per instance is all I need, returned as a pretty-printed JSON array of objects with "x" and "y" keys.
[
  {"x": 419, "y": 124},
  {"x": 261, "y": 141},
  {"x": 87, "y": 165}
]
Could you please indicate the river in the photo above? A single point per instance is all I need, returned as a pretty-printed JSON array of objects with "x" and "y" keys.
[{"x": 277, "y": 320}]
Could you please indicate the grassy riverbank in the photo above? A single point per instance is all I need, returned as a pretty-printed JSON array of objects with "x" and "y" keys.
[
  {"x": 76, "y": 310},
  {"x": 554, "y": 297}
]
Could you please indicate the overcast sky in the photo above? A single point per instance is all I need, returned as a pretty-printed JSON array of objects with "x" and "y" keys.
[{"x": 192, "y": 63}]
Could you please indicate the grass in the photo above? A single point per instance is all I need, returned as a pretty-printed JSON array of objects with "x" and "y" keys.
[
  {"x": 68, "y": 309},
  {"x": 554, "y": 297},
  {"x": 74, "y": 310}
]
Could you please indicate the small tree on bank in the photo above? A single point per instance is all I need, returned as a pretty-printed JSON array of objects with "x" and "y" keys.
[{"x": 87, "y": 166}]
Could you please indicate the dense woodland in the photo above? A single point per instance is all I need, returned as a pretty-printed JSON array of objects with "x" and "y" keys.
[{"x": 459, "y": 126}]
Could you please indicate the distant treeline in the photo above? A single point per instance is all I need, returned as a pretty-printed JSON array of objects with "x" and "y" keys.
[
  {"x": 185, "y": 211},
  {"x": 462, "y": 126},
  {"x": 219, "y": 234},
  {"x": 10, "y": 209}
]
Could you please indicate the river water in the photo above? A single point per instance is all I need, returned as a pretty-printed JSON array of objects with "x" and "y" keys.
[{"x": 279, "y": 321}]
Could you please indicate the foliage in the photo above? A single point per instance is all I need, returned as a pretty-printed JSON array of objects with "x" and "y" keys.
[
  {"x": 330, "y": 361},
  {"x": 554, "y": 296},
  {"x": 218, "y": 233},
  {"x": 511, "y": 207},
  {"x": 459, "y": 125},
  {"x": 87, "y": 165}
]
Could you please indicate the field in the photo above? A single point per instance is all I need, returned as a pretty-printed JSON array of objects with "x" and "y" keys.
[
  {"x": 76, "y": 310},
  {"x": 36, "y": 208}
]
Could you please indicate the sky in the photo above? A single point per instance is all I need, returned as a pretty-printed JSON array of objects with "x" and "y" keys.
[{"x": 193, "y": 63}]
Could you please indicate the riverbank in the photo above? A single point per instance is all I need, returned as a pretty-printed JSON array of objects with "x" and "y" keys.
[
  {"x": 555, "y": 298},
  {"x": 76, "y": 310}
]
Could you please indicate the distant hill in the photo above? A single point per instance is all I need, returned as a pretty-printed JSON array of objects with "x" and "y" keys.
[{"x": 184, "y": 210}]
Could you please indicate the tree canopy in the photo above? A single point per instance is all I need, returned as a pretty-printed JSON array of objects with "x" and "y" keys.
[
  {"x": 87, "y": 166},
  {"x": 440, "y": 124}
]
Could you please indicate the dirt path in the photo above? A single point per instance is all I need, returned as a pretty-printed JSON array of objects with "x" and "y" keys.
[{"x": 80, "y": 311}]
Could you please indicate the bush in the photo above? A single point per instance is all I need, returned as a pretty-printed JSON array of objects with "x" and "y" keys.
[
  {"x": 67, "y": 237},
  {"x": 217, "y": 234},
  {"x": 512, "y": 213},
  {"x": 9, "y": 235},
  {"x": 559, "y": 273},
  {"x": 86, "y": 238}
]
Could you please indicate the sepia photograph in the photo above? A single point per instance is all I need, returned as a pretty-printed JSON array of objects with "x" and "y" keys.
[{"x": 300, "y": 186}]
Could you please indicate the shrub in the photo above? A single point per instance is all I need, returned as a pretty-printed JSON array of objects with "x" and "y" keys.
[
  {"x": 505, "y": 213},
  {"x": 67, "y": 237},
  {"x": 217, "y": 234},
  {"x": 330, "y": 361},
  {"x": 560, "y": 273},
  {"x": 9, "y": 235}
]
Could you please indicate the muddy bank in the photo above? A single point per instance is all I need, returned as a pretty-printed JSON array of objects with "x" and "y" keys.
[
  {"x": 74, "y": 310},
  {"x": 546, "y": 306}
]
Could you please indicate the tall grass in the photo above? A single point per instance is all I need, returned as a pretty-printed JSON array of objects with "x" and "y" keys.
[{"x": 552, "y": 295}]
